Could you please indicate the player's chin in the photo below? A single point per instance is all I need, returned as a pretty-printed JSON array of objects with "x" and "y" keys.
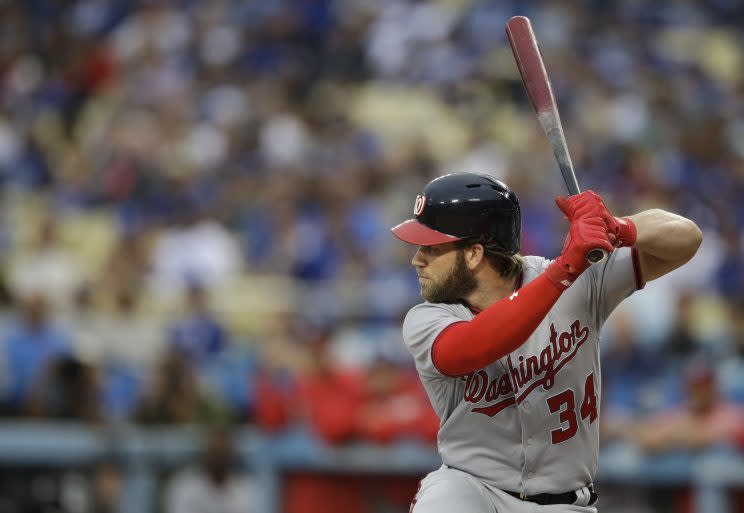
[
  {"x": 434, "y": 294},
  {"x": 424, "y": 289}
]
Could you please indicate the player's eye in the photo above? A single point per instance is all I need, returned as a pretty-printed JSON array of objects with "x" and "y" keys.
[{"x": 433, "y": 251}]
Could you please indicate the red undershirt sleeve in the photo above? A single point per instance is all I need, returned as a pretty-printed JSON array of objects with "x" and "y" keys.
[{"x": 498, "y": 330}]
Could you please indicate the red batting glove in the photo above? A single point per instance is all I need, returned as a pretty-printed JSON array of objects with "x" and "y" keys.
[
  {"x": 585, "y": 234},
  {"x": 622, "y": 231},
  {"x": 625, "y": 232}
]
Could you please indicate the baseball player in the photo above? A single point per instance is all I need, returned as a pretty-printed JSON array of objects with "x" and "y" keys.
[{"x": 507, "y": 347}]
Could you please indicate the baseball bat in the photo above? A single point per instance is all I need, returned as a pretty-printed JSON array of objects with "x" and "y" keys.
[{"x": 537, "y": 83}]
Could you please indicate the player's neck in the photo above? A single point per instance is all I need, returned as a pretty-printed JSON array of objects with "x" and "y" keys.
[{"x": 490, "y": 290}]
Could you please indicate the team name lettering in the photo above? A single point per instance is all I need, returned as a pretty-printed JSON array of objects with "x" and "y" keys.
[
  {"x": 497, "y": 392},
  {"x": 530, "y": 372},
  {"x": 549, "y": 361},
  {"x": 478, "y": 386}
]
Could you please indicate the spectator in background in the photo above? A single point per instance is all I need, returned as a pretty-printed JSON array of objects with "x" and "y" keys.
[
  {"x": 395, "y": 406},
  {"x": 129, "y": 336},
  {"x": 122, "y": 342},
  {"x": 325, "y": 399},
  {"x": 194, "y": 249},
  {"x": 30, "y": 347},
  {"x": 705, "y": 420},
  {"x": 126, "y": 266},
  {"x": 68, "y": 390},
  {"x": 173, "y": 395},
  {"x": 47, "y": 267},
  {"x": 732, "y": 367},
  {"x": 383, "y": 403},
  {"x": 729, "y": 276},
  {"x": 275, "y": 383},
  {"x": 338, "y": 405},
  {"x": 681, "y": 342},
  {"x": 80, "y": 320},
  {"x": 328, "y": 396},
  {"x": 630, "y": 370},
  {"x": 197, "y": 334},
  {"x": 215, "y": 485}
]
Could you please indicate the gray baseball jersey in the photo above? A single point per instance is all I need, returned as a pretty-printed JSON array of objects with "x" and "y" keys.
[{"x": 529, "y": 421}]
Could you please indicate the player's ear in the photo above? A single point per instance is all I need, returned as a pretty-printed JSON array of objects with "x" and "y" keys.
[{"x": 474, "y": 255}]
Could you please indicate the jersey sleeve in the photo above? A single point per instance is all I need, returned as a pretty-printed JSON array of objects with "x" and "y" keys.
[
  {"x": 421, "y": 327},
  {"x": 612, "y": 281}
]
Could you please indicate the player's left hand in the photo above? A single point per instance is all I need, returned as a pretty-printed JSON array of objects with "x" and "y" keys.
[{"x": 621, "y": 231}]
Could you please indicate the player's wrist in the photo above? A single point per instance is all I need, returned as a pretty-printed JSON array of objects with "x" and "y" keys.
[
  {"x": 563, "y": 273},
  {"x": 627, "y": 233}
]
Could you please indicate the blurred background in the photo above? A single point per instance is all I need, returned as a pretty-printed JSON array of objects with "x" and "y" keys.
[{"x": 200, "y": 299}]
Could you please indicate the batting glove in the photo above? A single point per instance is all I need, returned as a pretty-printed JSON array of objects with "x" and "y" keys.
[
  {"x": 622, "y": 231},
  {"x": 585, "y": 234}
]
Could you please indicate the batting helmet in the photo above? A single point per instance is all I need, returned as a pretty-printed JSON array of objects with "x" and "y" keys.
[{"x": 464, "y": 206}]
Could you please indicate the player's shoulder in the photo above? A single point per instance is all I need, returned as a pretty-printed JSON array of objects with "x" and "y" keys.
[
  {"x": 426, "y": 315},
  {"x": 429, "y": 311},
  {"x": 533, "y": 266}
]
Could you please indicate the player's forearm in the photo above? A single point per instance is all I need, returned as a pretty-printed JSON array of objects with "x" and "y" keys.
[
  {"x": 665, "y": 235},
  {"x": 495, "y": 332},
  {"x": 506, "y": 324}
]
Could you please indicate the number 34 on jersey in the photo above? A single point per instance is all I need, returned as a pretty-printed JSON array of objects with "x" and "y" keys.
[{"x": 564, "y": 404}]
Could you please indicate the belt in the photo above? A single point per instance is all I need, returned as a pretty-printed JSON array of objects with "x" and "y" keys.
[{"x": 578, "y": 497}]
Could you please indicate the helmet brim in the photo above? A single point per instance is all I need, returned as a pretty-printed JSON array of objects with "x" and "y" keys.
[{"x": 414, "y": 232}]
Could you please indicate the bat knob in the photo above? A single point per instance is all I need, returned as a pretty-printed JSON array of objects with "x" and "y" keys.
[{"x": 596, "y": 255}]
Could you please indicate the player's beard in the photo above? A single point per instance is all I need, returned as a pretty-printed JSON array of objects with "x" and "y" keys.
[{"x": 456, "y": 285}]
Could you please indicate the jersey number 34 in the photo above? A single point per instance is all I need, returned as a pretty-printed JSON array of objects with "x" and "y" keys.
[{"x": 565, "y": 404}]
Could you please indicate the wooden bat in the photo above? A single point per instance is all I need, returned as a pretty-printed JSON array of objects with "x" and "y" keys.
[{"x": 537, "y": 83}]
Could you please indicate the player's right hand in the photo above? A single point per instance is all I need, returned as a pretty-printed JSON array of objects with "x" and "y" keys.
[
  {"x": 622, "y": 231},
  {"x": 585, "y": 234}
]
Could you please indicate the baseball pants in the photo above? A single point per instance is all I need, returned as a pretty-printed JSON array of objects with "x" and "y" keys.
[{"x": 448, "y": 489}]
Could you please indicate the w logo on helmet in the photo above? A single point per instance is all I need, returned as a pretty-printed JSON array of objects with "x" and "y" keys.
[{"x": 418, "y": 207}]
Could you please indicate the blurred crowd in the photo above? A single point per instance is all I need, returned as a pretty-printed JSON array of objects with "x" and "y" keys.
[{"x": 197, "y": 196}]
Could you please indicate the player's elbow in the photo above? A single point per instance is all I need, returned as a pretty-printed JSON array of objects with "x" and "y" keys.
[
  {"x": 692, "y": 236},
  {"x": 680, "y": 235}
]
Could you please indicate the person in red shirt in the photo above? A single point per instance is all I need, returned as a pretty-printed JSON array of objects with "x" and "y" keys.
[
  {"x": 395, "y": 406},
  {"x": 381, "y": 404}
]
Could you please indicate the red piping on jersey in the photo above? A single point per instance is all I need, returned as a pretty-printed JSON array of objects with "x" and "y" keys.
[
  {"x": 639, "y": 283},
  {"x": 493, "y": 409},
  {"x": 467, "y": 346}
]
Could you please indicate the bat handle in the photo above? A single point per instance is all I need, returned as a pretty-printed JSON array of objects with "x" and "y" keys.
[
  {"x": 564, "y": 162},
  {"x": 596, "y": 255}
]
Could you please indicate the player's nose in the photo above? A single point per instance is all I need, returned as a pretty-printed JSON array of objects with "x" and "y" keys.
[{"x": 418, "y": 259}]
